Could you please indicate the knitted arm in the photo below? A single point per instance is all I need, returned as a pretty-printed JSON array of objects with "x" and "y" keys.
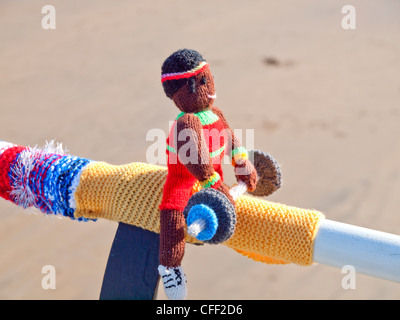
[
  {"x": 193, "y": 151},
  {"x": 244, "y": 169}
]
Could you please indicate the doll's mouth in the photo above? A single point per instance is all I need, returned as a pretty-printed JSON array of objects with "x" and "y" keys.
[{"x": 212, "y": 96}]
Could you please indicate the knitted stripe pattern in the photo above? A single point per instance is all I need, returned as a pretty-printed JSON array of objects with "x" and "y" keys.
[
  {"x": 210, "y": 181},
  {"x": 32, "y": 177},
  {"x": 239, "y": 156},
  {"x": 265, "y": 231},
  {"x": 206, "y": 117},
  {"x": 187, "y": 74}
]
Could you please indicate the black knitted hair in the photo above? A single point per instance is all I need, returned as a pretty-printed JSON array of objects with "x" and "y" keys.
[{"x": 180, "y": 61}]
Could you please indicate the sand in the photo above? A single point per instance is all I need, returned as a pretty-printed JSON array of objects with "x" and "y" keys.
[{"x": 324, "y": 101}]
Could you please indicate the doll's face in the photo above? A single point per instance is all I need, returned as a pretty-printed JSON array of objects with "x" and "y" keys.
[{"x": 197, "y": 94}]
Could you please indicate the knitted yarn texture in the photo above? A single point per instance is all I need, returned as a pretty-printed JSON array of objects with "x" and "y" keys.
[
  {"x": 87, "y": 190},
  {"x": 41, "y": 178},
  {"x": 265, "y": 231}
]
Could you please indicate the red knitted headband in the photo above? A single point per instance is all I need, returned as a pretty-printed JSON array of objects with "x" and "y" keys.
[{"x": 187, "y": 74}]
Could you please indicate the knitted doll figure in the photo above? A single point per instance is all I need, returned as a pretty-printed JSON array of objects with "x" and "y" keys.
[{"x": 199, "y": 138}]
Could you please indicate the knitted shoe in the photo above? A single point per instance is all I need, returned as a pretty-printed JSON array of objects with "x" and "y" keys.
[{"x": 174, "y": 281}]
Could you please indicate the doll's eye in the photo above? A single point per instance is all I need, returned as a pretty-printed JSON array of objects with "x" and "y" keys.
[{"x": 203, "y": 80}]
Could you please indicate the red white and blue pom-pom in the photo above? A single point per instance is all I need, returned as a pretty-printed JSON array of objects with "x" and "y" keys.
[{"x": 44, "y": 178}]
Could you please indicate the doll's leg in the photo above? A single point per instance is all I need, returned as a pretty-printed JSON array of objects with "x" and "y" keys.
[
  {"x": 172, "y": 250},
  {"x": 172, "y": 237},
  {"x": 177, "y": 191}
]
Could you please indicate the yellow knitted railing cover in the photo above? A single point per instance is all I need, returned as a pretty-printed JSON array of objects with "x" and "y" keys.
[{"x": 265, "y": 231}]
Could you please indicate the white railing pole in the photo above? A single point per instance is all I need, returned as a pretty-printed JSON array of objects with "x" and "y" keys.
[{"x": 369, "y": 251}]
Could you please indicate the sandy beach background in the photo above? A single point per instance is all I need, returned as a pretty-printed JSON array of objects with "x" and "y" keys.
[{"x": 324, "y": 101}]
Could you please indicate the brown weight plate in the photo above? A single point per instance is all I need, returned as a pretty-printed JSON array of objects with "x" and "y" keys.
[{"x": 268, "y": 171}]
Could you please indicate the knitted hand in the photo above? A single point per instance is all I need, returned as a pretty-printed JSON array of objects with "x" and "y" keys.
[
  {"x": 246, "y": 172},
  {"x": 223, "y": 188}
]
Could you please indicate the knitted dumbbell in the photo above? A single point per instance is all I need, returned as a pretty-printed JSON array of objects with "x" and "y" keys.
[{"x": 209, "y": 214}]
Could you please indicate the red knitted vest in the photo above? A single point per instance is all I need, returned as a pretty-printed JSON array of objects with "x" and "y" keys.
[{"x": 214, "y": 132}]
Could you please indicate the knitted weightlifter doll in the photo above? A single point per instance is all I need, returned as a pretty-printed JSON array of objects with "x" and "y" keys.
[{"x": 198, "y": 140}]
